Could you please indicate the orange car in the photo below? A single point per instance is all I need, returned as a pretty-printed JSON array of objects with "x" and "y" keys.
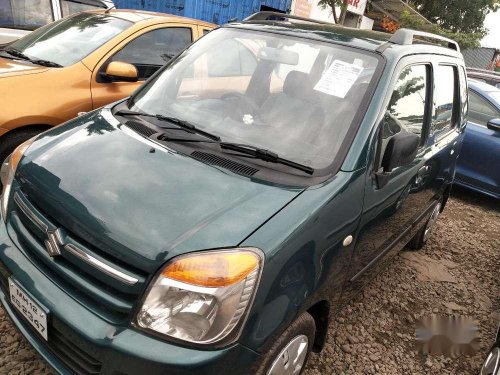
[{"x": 81, "y": 63}]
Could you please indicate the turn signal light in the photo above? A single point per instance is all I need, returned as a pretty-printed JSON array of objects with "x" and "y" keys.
[{"x": 213, "y": 270}]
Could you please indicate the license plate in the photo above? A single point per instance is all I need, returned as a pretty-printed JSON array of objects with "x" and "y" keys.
[{"x": 30, "y": 309}]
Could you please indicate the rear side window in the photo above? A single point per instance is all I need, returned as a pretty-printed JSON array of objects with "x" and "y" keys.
[
  {"x": 150, "y": 51},
  {"x": 69, "y": 7},
  {"x": 445, "y": 94},
  {"x": 481, "y": 111},
  {"x": 406, "y": 110},
  {"x": 464, "y": 102}
]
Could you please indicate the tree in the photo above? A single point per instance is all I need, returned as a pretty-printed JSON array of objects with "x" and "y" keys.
[
  {"x": 333, "y": 4},
  {"x": 464, "y": 16},
  {"x": 465, "y": 40}
]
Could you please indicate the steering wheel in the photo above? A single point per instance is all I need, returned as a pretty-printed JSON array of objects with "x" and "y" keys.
[{"x": 245, "y": 106}]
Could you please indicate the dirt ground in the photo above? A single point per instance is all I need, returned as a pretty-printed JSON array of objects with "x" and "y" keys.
[{"x": 456, "y": 273}]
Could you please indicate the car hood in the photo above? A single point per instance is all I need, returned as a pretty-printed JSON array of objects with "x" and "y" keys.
[
  {"x": 103, "y": 183},
  {"x": 12, "y": 68}
]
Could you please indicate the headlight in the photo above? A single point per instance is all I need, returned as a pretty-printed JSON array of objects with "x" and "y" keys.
[
  {"x": 202, "y": 297},
  {"x": 8, "y": 169}
]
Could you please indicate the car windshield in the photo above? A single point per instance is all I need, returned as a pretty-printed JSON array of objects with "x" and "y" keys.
[
  {"x": 292, "y": 96},
  {"x": 68, "y": 41}
]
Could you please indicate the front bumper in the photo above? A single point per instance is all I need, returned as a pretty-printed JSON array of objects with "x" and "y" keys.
[{"x": 78, "y": 337}]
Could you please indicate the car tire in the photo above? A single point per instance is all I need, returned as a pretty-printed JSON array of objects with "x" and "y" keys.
[
  {"x": 291, "y": 349},
  {"x": 422, "y": 236}
]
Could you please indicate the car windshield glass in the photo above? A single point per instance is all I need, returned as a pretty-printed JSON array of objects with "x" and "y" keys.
[
  {"x": 295, "y": 97},
  {"x": 68, "y": 41},
  {"x": 25, "y": 14}
]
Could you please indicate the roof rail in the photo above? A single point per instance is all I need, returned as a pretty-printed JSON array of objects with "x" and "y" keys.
[
  {"x": 268, "y": 16},
  {"x": 407, "y": 36}
]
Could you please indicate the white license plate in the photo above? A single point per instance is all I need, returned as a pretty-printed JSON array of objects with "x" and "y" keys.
[{"x": 31, "y": 310}]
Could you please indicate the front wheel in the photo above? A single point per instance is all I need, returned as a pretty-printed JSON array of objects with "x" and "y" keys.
[
  {"x": 421, "y": 237},
  {"x": 289, "y": 354}
]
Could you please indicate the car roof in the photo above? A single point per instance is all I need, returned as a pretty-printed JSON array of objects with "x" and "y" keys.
[
  {"x": 358, "y": 38},
  {"x": 137, "y": 16},
  {"x": 492, "y": 75},
  {"x": 366, "y": 39}
]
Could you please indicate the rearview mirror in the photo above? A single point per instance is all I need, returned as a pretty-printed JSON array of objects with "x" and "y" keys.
[
  {"x": 401, "y": 150},
  {"x": 118, "y": 71},
  {"x": 494, "y": 124}
]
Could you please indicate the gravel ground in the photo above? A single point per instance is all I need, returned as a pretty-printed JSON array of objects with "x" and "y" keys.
[{"x": 457, "y": 272}]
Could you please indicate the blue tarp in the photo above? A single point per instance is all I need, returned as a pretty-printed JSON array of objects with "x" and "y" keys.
[{"x": 216, "y": 11}]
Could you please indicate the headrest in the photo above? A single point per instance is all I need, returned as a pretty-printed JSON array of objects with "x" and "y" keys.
[{"x": 298, "y": 85}]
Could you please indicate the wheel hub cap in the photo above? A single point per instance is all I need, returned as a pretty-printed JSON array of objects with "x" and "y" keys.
[
  {"x": 291, "y": 359},
  {"x": 492, "y": 364},
  {"x": 432, "y": 221}
]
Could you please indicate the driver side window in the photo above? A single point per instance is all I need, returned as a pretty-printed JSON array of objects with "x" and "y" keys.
[
  {"x": 407, "y": 107},
  {"x": 150, "y": 51}
]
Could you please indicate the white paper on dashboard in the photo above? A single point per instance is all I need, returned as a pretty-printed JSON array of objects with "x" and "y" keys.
[{"x": 338, "y": 79}]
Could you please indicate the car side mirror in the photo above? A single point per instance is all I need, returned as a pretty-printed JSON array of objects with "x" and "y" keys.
[
  {"x": 400, "y": 151},
  {"x": 118, "y": 71},
  {"x": 494, "y": 124}
]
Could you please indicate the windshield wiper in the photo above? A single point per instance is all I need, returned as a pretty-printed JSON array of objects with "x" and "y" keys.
[
  {"x": 174, "y": 120},
  {"x": 22, "y": 56},
  {"x": 253, "y": 151},
  {"x": 265, "y": 155}
]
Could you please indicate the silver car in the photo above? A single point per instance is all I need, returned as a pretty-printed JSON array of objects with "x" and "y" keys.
[{"x": 20, "y": 17}]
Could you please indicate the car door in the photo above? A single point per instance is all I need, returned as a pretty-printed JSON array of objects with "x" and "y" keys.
[
  {"x": 481, "y": 148},
  {"x": 148, "y": 51},
  {"x": 396, "y": 204}
]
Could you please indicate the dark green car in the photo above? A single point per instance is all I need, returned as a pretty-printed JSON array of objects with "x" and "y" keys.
[{"x": 217, "y": 220}]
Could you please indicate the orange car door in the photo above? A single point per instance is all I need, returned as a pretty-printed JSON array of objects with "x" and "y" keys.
[{"x": 148, "y": 50}]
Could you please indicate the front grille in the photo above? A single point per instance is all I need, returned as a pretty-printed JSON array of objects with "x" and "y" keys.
[
  {"x": 73, "y": 356},
  {"x": 224, "y": 163},
  {"x": 69, "y": 353},
  {"x": 94, "y": 278}
]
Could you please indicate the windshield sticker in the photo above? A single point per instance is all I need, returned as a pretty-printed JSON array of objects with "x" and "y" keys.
[{"x": 338, "y": 79}]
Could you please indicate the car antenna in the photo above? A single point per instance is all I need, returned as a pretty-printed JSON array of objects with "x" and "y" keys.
[{"x": 110, "y": 9}]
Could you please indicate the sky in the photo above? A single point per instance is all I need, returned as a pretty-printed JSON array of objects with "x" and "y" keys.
[{"x": 492, "y": 23}]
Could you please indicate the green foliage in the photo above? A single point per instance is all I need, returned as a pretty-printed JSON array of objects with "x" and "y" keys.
[
  {"x": 463, "y": 16},
  {"x": 332, "y": 4},
  {"x": 465, "y": 40}
]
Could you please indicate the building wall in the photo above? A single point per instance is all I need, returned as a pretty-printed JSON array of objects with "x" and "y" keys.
[
  {"x": 481, "y": 58},
  {"x": 216, "y": 11}
]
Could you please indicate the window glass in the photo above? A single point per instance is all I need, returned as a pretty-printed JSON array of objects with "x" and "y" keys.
[
  {"x": 150, "y": 51},
  {"x": 464, "y": 102},
  {"x": 406, "y": 110},
  {"x": 232, "y": 59},
  {"x": 303, "y": 113},
  {"x": 480, "y": 110},
  {"x": 69, "y": 40},
  {"x": 25, "y": 14},
  {"x": 445, "y": 79},
  {"x": 69, "y": 7}
]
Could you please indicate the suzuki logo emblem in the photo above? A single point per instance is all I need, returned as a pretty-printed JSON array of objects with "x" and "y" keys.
[{"x": 54, "y": 242}]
